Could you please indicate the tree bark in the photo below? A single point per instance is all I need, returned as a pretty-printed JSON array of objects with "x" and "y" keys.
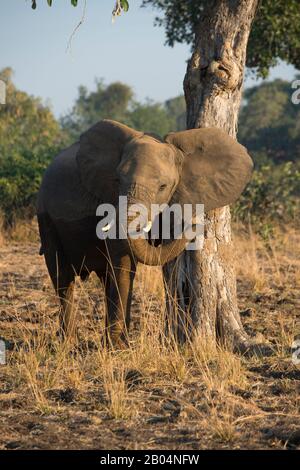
[{"x": 201, "y": 285}]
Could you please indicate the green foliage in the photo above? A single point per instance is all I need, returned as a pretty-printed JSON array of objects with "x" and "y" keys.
[
  {"x": 150, "y": 117},
  {"x": 106, "y": 102},
  {"x": 273, "y": 196},
  {"x": 116, "y": 101},
  {"x": 269, "y": 123},
  {"x": 29, "y": 137},
  {"x": 275, "y": 33},
  {"x": 124, "y": 5},
  {"x": 176, "y": 109},
  {"x": 269, "y": 126}
]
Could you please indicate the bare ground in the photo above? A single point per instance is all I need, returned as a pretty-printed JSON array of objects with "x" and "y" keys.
[{"x": 151, "y": 396}]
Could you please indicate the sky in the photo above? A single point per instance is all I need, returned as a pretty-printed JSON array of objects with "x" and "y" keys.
[{"x": 35, "y": 44}]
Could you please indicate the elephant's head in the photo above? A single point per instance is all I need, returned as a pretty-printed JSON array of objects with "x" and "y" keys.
[{"x": 203, "y": 166}]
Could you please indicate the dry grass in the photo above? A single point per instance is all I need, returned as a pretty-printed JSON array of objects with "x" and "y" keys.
[
  {"x": 152, "y": 395},
  {"x": 268, "y": 264}
]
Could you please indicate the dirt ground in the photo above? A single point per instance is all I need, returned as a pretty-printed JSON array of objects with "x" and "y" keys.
[{"x": 151, "y": 396}]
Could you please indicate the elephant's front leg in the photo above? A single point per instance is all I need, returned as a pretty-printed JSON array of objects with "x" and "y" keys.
[{"x": 119, "y": 294}]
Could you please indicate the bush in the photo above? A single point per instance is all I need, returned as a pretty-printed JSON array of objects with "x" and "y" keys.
[
  {"x": 29, "y": 138},
  {"x": 272, "y": 196}
]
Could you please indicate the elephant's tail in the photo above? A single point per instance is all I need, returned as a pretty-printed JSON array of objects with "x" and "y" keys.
[{"x": 46, "y": 230}]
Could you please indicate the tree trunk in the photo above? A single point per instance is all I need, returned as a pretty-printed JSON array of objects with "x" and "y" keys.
[{"x": 201, "y": 285}]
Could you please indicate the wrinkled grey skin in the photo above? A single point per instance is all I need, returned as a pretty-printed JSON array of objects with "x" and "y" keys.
[{"x": 196, "y": 166}]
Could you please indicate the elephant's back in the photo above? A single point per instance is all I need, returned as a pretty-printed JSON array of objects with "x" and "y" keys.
[{"x": 62, "y": 195}]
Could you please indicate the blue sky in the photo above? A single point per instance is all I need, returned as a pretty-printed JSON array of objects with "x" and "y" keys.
[{"x": 34, "y": 44}]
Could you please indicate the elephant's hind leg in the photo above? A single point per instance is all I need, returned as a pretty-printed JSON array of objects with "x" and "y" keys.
[
  {"x": 63, "y": 279},
  {"x": 62, "y": 275}
]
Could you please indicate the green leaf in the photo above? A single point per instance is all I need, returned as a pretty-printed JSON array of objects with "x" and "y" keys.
[
  {"x": 49, "y": 2},
  {"x": 124, "y": 5},
  {"x": 33, "y": 5},
  {"x": 74, "y": 3}
]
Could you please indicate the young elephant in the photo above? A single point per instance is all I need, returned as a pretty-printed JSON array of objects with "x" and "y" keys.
[{"x": 195, "y": 166}]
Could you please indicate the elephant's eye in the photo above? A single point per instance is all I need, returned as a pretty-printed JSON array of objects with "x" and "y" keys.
[{"x": 162, "y": 187}]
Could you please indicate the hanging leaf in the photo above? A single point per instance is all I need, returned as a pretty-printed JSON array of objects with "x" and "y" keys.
[
  {"x": 124, "y": 5},
  {"x": 119, "y": 6}
]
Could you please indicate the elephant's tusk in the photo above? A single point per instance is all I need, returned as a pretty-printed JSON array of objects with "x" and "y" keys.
[
  {"x": 108, "y": 226},
  {"x": 148, "y": 227}
]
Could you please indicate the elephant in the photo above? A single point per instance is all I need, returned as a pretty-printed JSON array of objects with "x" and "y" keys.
[{"x": 110, "y": 159}]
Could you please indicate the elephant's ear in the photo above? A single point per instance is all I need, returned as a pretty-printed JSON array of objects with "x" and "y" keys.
[
  {"x": 215, "y": 167},
  {"x": 100, "y": 153}
]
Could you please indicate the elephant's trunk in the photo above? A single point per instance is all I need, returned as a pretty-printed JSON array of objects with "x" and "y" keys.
[{"x": 156, "y": 256}]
